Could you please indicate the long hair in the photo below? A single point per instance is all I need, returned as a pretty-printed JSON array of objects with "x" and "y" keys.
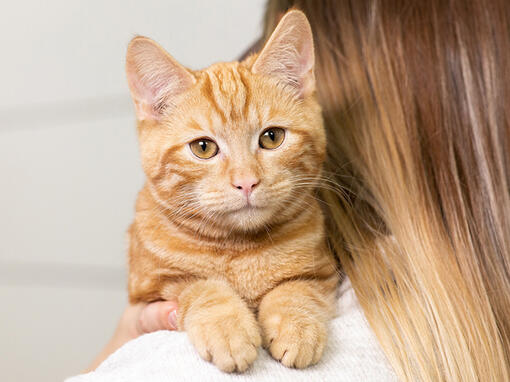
[{"x": 416, "y": 102}]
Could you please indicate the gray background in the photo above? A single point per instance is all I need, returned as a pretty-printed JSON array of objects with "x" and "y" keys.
[{"x": 69, "y": 163}]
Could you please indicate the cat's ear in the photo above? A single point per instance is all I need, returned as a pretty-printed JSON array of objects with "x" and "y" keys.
[
  {"x": 154, "y": 77},
  {"x": 288, "y": 54}
]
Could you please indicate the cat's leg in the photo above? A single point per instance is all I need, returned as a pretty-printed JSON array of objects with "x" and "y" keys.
[
  {"x": 219, "y": 324},
  {"x": 294, "y": 318}
]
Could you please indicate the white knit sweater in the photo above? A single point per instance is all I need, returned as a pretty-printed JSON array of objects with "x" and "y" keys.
[{"x": 352, "y": 354}]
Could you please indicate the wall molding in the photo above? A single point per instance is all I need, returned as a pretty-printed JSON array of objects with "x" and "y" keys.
[{"x": 43, "y": 115}]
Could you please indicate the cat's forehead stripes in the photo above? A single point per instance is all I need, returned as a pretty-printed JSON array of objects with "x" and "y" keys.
[
  {"x": 193, "y": 124},
  {"x": 210, "y": 92},
  {"x": 228, "y": 92}
]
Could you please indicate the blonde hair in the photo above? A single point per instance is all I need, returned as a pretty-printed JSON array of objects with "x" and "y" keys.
[{"x": 416, "y": 103}]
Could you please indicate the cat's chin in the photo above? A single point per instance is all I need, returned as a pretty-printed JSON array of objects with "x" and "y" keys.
[{"x": 249, "y": 218}]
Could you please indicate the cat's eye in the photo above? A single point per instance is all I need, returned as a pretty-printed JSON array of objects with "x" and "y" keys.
[
  {"x": 271, "y": 138},
  {"x": 204, "y": 148}
]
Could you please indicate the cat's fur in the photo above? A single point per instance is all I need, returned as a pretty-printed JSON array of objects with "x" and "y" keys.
[{"x": 241, "y": 275}]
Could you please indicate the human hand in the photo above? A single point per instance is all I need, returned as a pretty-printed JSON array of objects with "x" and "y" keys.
[{"x": 136, "y": 320}]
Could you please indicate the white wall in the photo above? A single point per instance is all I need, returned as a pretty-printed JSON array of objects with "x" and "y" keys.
[{"x": 69, "y": 165}]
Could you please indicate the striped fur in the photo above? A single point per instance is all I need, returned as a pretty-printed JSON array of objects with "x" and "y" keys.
[{"x": 239, "y": 275}]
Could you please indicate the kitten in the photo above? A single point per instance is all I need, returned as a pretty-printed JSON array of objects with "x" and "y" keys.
[{"x": 227, "y": 223}]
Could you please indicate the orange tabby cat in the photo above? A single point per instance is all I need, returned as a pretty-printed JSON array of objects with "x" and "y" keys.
[{"x": 227, "y": 223}]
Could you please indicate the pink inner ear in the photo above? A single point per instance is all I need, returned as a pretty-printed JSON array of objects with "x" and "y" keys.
[
  {"x": 154, "y": 78},
  {"x": 143, "y": 97},
  {"x": 289, "y": 53}
]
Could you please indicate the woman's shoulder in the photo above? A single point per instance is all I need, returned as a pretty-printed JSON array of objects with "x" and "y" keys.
[{"x": 352, "y": 354}]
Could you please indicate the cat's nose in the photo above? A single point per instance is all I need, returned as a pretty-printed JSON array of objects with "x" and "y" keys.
[{"x": 246, "y": 185}]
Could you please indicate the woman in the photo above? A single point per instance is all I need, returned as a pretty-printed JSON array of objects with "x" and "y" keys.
[{"x": 415, "y": 98}]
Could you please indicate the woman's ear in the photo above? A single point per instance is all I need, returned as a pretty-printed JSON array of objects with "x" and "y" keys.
[
  {"x": 154, "y": 77},
  {"x": 288, "y": 54}
]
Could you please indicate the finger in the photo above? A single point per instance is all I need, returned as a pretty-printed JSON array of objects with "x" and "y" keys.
[{"x": 157, "y": 316}]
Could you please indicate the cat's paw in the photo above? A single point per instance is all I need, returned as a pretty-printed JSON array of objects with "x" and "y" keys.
[
  {"x": 295, "y": 341},
  {"x": 229, "y": 341}
]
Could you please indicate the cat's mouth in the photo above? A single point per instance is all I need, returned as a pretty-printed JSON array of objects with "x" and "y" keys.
[
  {"x": 248, "y": 207},
  {"x": 246, "y": 216}
]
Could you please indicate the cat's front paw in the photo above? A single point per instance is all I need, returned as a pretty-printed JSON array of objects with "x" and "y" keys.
[
  {"x": 295, "y": 341},
  {"x": 229, "y": 341}
]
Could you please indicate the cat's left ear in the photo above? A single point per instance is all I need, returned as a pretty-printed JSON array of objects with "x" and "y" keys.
[{"x": 288, "y": 54}]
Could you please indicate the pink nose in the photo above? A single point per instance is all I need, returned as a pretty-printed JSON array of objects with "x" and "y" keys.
[{"x": 246, "y": 185}]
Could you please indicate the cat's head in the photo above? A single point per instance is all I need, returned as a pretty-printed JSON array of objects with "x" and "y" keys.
[{"x": 236, "y": 145}]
